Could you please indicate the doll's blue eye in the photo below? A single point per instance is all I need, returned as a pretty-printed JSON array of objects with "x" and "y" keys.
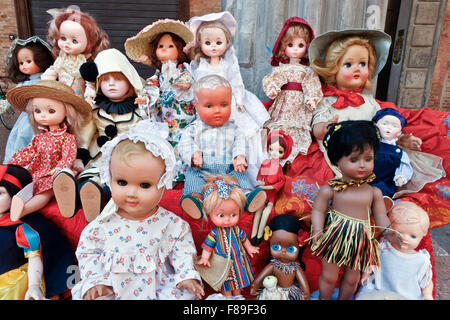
[
  {"x": 347, "y": 65},
  {"x": 276, "y": 247},
  {"x": 291, "y": 249},
  {"x": 362, "y": 64}
]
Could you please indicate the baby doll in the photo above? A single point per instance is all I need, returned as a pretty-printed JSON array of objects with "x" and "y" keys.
[
  {"x": 117, "y": 84},
  {"x": 392, "y": 166},
  {"x": 55, "y": 114},
  {"x": 224, "y": 204},
  {"x": 213, "y": 145},
  {"x": 75, "y": 38},
  {"x": 25, "y": 61},
  {"x": 286, "y": 241},
  {"x": 167, "y": 95},
  {"x": 342, "y": 234},
  {"x": 295, "y": 86},
  {"x": 34, "y": 256},
  {"x": 135, "y": 249},
  {"x": 215, "y": 54},
  {"x": 414, "y": 282},
  {"x": 271, "y": 178}
]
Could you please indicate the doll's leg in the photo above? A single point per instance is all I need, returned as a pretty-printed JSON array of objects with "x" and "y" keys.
[
  {"x": 65, "y": 189},
  {"x": 20, "y": 208},
  {"x": 265, "y": 216},
  {"x": 327, "y": 280},
  {"x": 256, "y": 220},
  {"x": 349, "y": 283}
]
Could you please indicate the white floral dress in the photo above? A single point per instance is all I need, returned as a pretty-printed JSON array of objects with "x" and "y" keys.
[{"x": 140, "y": 260}]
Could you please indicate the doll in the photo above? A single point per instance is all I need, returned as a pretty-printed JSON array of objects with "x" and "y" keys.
[
  {"x": 392, "y": 166},
  {"x": 286, "y": 241},
  {"x": 34, "y": 256},
  {"x": 414, "y": 282},
  {"x": 223, "y": 205},
  {"x": 167, "y": 95},
  {"x": 136, "y": 249},
  {"x": 215, "y": 54},
  {"x": 117, "y": 84},
  {"x": 214, "y": 145},
  {"x": 55, "y": 114},
  {"x": 75, "y": 38},
  {"x": 271, "y": 290},
  {"x": 295, "y": 86},
  {"x": 25, "y": 61},
  {"x": 342, "y": 234},
  {"x": 271, "y": 178}
]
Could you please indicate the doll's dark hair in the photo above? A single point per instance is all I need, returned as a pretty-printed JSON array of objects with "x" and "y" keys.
[
  {"x": 346, "y": 137},
  {"x": 289, "y": 224},
  {"x": 41, "y": 55},
  {"x": 21, "y": 174},
  {"x": 177, "y": 40}
]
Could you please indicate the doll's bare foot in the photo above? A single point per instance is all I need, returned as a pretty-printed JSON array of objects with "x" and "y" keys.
[
  {"x": 192, "y": 205},
  {"x": 91, "y": 200},
  {"x": 255, "y": 200},
  {"x": 65, "y": 189},
  {"x": 17, "y": 206}
]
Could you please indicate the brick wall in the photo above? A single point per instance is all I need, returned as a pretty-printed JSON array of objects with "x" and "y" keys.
[
  {"x": 8, "y": 25},
  {"x": 440, "y": 89},
  {"x": 201, "y": 7}
]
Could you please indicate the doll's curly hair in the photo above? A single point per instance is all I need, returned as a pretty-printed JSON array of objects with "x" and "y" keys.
[
  {"x": 346, "y": 137},
  {"x": 179, "y": 44},
  {"x": 98, "y": 40},
  {"x": 42, "y": 58},
  {"x": 328, "y": 68}
]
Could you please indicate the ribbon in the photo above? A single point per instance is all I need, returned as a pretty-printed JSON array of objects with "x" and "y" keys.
[
  {"x": 340, "y": 185},
  {"x": 345, "y": 98}
]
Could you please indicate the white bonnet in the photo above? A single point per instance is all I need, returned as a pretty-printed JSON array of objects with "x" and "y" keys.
[{"x": 154, "y": 136}]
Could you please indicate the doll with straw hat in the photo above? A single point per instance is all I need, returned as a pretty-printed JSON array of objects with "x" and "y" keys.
[
  {"x": 167, "y": 95},
  {"x": 55, "y": 113}
]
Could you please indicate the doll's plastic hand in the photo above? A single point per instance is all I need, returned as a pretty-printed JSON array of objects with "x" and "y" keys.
[
  {"x": 204, "y": 262},
  {"x": 197, "y": 158},
  {"x": 261, "y": 182},
  {"x": 272, "y": 93},
  {"x": 140, "y": 100},
  {"x": 253, "y": 289},
  {"x": 78, "y": 165},
  {"x": 49, "y": 74},
  {"x": 364, "y": 278},
  {"x": 311, "y": 105},
  {"x": 240, "y": 107},
  {"x": 98, "y": 291},
  {"x": 320, "y": 129},
  {"x": 193, "y": 286},
  {"x": 251, "y": 250},
  {"x": 240, "y": 163},
  {"x": 395, "y": 238},
  {"x": 316, "y": 235},
  {"x": 34, "y": 293},
  {"x": 409, "y": 141}
]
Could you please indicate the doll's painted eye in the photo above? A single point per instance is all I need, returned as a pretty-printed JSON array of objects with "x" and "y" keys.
[
  {"x": 208, "y": 106},
  {"x": 145, "y": 185},
  {"x": 220, "y": 215},
  {"x": 51, "y": 111},
  {"x": 219, "y": 43},
  {"x": 63, "y": 38},
  {"x": 413, "y": 236},
  {"x": 290, "y": 45},
  {"x": 37, "y": 110},
  {"x": 122, "y": 183},
  {"x": 291, "y": 249},
  {"x": 276, "y": 247},
  {"x": 301, "y": 45},
  {"x": 362, "y": 64},
  {"x": 347, "y": 65},
  {"x": 208, "y": 43},
  {"x": 74, "y": 41}
]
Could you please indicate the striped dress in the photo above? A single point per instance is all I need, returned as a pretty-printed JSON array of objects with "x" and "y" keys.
[{"x": 241, "y": 274}]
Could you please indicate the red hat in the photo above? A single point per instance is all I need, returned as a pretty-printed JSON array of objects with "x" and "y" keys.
[
  {"x": 281, "y": 135},
  {"x": 275, "y": 61}
]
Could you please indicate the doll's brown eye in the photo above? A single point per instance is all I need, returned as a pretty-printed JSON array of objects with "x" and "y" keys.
[
  {"x": 290, "y": 45},
  {"x": 207, "y": 43},
  {"x": 122, "y": 183},
  {"x": 145, "y": 185},
  {"x": 219, "y": 43},
  {"x": 301, "y": 45},
  {"x": 51, "y": 111}
]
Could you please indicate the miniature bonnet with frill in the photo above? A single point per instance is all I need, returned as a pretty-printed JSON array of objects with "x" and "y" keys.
[{"x": 154, "y": 135}]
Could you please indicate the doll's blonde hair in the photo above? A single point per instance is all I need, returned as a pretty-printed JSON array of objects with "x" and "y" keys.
[
  {"x": 126, "y": 148},
  {"x": 328, "y": 69},
  {"x": 73, "y": 118},
  {"x": 407, "y": 212},
  {"x": 213, "y": 200},
  {"x": 295, "y": 30},
  {"x": 210, "y": 25}
]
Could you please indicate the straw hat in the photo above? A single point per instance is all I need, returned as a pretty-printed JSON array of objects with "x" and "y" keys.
[
  {"x": 136, "y": 47},
  {"x": 380, "y": 41},
  {"x": 19, "y": 96}
]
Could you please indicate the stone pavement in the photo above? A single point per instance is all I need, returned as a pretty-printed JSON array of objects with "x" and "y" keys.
[{"x": 440, "y": 238}]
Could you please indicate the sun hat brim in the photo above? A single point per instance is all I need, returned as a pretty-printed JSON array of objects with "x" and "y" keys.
[
  {"x": 19, "y": 96},
  {"x": 136, "y": 47},
  {"x": 380, "y": 41}
]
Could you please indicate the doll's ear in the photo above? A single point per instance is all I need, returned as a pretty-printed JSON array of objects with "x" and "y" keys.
[{"x": 89, "y": 71}]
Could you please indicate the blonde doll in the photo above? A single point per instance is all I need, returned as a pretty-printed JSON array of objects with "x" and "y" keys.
[
  {"x": 414, "y": 282},
  {"x": 75, "y": 38},
  {"x": 294, "y": 86},
  {"x": 55, "y": 114},
  {"x": 215, "y": 54},
  {"x": 167, "y": 95},
  {"x": 224, "y": 204},
  {"x": 136, "y": 249}
]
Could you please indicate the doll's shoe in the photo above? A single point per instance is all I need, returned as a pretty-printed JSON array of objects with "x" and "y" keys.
[
  {"x": 255, "y": 200},
  {"x": 255, "y": 241},
  {"x": 192, "y": 206},
  {"x": 65, "y": 189},
  {"x": 91, "y": 200}
]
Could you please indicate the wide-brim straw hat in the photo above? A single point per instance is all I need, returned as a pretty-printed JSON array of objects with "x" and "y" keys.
[
  {"x": 51, "y": 89},
  {"x": 380, "y": 41},
  {"x": 136, "y": 47}
]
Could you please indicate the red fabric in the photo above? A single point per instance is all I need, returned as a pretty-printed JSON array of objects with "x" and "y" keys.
[
  {"x": 345, "y": 98},
  {"x": 271, "y": 173}
]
